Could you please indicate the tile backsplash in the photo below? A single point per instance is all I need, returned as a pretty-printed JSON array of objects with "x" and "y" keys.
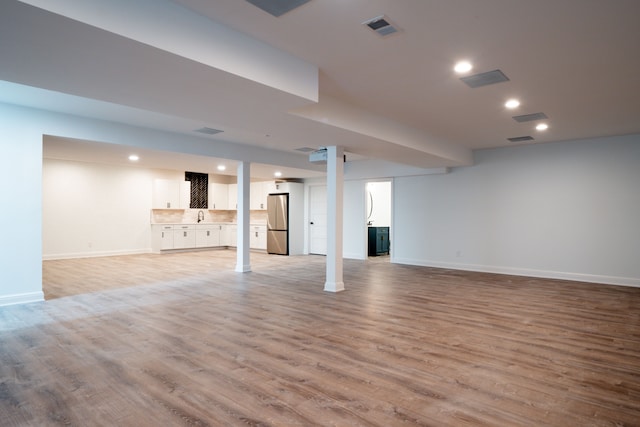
[{"x": 190, "y": 216}]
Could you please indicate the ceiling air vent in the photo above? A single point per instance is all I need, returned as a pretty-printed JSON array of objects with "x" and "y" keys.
[
  {"x": 485, "y": 79},
  {"x": 208, "y": 131},
  {"x": 530, "y": 117},
  {"x": 305, "y": 149},
  {"x": 521, "y": 138},
  {"x": 381, "y": 25},
  {"x": 277, "y": 7}
]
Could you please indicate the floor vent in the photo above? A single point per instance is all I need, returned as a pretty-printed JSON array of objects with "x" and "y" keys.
[
  {"x": 521, "y": 138},
  {"x": 381, "y": 25},
  {"x": 208, "y": 131},
  {"x": 485, "y": 79},
  {"x": 530, "y": 117},
  {"x": 278, "y": 7}
]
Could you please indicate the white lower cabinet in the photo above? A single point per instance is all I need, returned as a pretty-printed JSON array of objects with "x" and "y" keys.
[
  {"x": 184, "y": 236},
  {"x": 208, "y": 236},
  {"x": 224, "y": 235},
  {"x": 258, "y": 237},
  {"x": 162, "y": 237},
  {"x": 232, "y": 235},
  {"x": 190, "y": 236}
]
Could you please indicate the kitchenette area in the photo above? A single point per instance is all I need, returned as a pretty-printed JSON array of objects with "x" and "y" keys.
[{"x": 177, "y": 226}]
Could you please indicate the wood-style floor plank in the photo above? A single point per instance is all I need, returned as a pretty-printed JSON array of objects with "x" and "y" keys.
[{"x": 181, "y": 339}]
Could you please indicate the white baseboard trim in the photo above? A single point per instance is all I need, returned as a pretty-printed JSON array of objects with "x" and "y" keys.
[
  {"x": 50, "y": 257},
  {"x": 353, "y": 256},
  {"x": 578, "y": 277},
  {"x": 21, "y": 298}
]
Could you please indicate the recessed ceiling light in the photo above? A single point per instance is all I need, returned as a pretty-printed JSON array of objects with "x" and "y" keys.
[
  {"x": 277, "y": 174},
  {"x": 222, "y": 167},
  {"x": 134, "y": 158},
  {"x": 542, "y": 126},
  {"x": 463, "y": 67},
  {"x": 512, "y": 103}
]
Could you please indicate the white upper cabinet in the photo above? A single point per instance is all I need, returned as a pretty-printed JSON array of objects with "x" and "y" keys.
[
  {"x": 171, "y": 194},
  {"x": 269, "y": 187},
  {"x": 256, "y": 200},
  {"x": 218, "y": 196},
  {"x": 233, "y": 197},
  {"x": 259, "y": 192},
  {"x": 185, "y": 194}
]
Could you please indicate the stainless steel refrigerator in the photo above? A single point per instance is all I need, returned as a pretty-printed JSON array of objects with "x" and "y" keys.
[{"x": 278, "y": 224}]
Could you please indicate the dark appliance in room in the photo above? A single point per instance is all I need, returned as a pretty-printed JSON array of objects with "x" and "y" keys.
[
  {"x": 278, "y": 224},
  {"x": 378, "y": 241}
]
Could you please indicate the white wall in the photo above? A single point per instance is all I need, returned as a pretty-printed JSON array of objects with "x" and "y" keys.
[
  {"x": 565, "y": 210},
  {"x": 90, "y": 209},
  {"x": 20, "y": 181},
  {"x": 354, "y": 221}
]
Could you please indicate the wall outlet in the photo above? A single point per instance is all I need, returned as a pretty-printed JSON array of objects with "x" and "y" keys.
[{"x": 458, "y": 254}]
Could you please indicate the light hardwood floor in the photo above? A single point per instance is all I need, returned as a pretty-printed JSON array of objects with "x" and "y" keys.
[{"x": 181, "y": 339}]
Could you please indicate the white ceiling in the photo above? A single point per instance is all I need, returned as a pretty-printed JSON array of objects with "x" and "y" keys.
[{"x": 393, "y": 98}]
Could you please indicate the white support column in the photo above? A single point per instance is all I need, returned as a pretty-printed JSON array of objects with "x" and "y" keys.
[
  {"x": 335, "y": 183},
  {"x": 244, "y": 177}
]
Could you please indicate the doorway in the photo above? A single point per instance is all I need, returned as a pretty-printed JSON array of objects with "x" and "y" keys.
[{"x": 378, "y": 210}]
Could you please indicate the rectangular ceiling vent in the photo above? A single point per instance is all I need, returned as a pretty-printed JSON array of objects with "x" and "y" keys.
[
  {"x": 381, "y": 25},
  {"x": 530, "y": 117},
  {"x": 208, "y": 131},
  {"x": 485, "y": 79},
  {"x": 278, "y": 7},
  {"x": 521, "y": 138}
]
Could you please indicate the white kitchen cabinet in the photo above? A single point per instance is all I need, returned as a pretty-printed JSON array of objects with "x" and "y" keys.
[
  {"x": 258, "y": 237},
  {"x": 218, "y": 196},
  {"x": 185, "y": 194},
  {"x": 256, "y": 199},
  {"x": 259, "y": 192},
  {"x": 208, "y": 235},
  {"x": 269, "y": 187},
  {"x": 232, "y": 202},
  {"x": 171, "y": 194},
  {"x": 161, "y": 237},
  {"x": 224, "y": 235},
  {"x": 184, "y": 236},
  {"x": 232, "y": 235}
]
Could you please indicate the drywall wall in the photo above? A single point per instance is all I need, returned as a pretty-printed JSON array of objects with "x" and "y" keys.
[
  {"x": 354, "y": 239},
  {"x": 20, "y": 180},
  {"x": 91, "y": 209},
  {"x": 564, "y": 210}
]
